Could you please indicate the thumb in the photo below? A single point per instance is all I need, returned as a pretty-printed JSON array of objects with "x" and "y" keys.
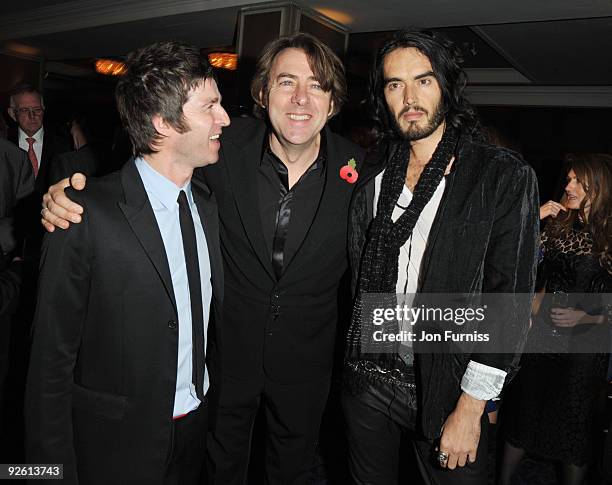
[{"x": 77, "y": 181}]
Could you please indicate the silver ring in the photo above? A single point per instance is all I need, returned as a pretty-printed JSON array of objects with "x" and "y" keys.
[
  {"x": 442, "y": 457},
  {"x": 42, "y": 210}
]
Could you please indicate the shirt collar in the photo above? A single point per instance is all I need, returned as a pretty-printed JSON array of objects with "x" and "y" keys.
[
  {"x": 161, "y": 187},
  {"x": 38, "y": 136}
]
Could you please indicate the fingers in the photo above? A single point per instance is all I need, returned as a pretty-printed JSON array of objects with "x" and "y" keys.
[
  {"x": 60, "y": 206},
  {"x": 49, "y": 218},
  {"x": 558, "y": 311},
  {"x": 472, "y": 456},
  {"x": 562, "y": 317},
  {"x": 551, "y": 208},
  {"x": 451, "y": 464},
  {"x": 456, "y": 459},
  {"x": 556, "y": 205},
  {"x": 48, "y": 226}
]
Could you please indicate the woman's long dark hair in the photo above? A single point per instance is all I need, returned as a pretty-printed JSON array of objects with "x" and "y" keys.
[
  {"x": 445, "y": 60},
  {"x": 594, "y": 172}
]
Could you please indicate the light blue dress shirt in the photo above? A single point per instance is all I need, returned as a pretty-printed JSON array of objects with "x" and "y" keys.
[{"x": 163, "y": 195}]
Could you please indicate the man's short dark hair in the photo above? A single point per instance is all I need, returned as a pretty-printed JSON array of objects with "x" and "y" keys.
[
  {"x": 157, "y": 82},
  {"x": 445, "y": 59},
  {"x": 325, "y": 64},
  {"x": 24, "y": 88}
]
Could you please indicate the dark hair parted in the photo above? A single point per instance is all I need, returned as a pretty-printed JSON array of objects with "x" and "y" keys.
[
  {"x": 594, "y": 172},
  {"x": 326, "y": 67},
  {"x": 157, "y": 82},
  {"x": 445, "y": 59}
]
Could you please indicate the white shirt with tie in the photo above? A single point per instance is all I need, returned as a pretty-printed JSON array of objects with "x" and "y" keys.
[
  {"x": 39, "y": 137},
  {"x": 163, "y": 195}
]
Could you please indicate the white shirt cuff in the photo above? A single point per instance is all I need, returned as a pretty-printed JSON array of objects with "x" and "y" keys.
[{"x": 482, "y": 382}]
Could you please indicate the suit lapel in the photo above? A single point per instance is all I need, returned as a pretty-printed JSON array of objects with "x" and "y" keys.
[
  {"x": 332, "y": 205},
  {"x": 240, "y": 160},
  {"x": 209, "y": 216},
  {"x": 139, "y": 214}
]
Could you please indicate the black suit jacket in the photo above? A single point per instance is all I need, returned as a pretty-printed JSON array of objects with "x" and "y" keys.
[
  {"x": 16, "y": 185},
  {"x": 484, "y": 240},
  {"x": 53, "y": 144},
  {"x": 102, "y": 378},
  {"x": 287, "y": 327}
]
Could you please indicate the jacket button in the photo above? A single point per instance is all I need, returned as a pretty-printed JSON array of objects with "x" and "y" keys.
[{"x": 172, "y": 324}]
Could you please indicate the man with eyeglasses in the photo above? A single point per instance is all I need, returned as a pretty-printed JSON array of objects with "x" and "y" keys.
[
  {"x": 27, "y": 108},
  {"x": 41, "y": 144}
]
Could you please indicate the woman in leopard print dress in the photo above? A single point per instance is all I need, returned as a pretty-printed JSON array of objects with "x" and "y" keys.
[{"x": 553, "y": 408}]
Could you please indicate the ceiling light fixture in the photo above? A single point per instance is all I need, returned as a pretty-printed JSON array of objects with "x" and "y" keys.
[
  {"x": 109, "y": 67},
  {"x": 223, "y": 60}
]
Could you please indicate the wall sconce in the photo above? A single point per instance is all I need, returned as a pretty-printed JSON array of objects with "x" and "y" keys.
[
  {"x": 109, "y": 67},
  {"x": 223, "y": 60}
]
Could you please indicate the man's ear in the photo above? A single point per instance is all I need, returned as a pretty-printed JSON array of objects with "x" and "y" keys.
[
  {"x": 331, "y": 107},
  {"x": 12, "y": 114},
  {"x": 261, "y": 99},
  {"x": 161, "y": 126}
]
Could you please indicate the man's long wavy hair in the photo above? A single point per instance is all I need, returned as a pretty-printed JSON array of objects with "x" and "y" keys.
[
  {"x": 594, "y": 172},
  {"x": 446, "y": 60}
]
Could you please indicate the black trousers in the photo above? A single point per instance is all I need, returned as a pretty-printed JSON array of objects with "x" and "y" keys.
[
  {"x": 293, "y": 417},
  {"x": 377, "y": 420},
  {"x": 187, "y": 451}
]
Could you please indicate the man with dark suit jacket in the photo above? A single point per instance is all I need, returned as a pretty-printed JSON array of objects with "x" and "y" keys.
[
  {"x": 117, "y": 383},
  {"x": 42, "y": 143},
  {"x": 283, "y": 206},
  {"x": 16, "y": 186}
]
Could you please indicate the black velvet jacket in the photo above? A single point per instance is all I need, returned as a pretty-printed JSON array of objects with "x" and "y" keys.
[{"x": 484, "y": 239}]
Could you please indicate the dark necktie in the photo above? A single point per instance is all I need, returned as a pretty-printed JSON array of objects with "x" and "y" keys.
[{"x": 195, "y": 293}]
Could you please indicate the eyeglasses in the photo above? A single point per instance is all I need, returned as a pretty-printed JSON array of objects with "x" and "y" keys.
[{"x": 30, "y": 111}]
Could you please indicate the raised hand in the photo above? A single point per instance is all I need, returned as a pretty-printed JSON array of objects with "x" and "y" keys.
[{"x": 551, "y": 208}]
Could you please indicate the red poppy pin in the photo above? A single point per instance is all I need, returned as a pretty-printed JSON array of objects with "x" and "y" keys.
[{"x": 349, "y": 172}]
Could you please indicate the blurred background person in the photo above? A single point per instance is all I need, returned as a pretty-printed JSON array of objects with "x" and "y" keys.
[
  {"x": 39, "y": 143},
  {"x": 16, "y": 185},
  {"x": 554, "y": 407},
  {"x": 42, "y": 143},
  {"x": 89, "y": 156}
]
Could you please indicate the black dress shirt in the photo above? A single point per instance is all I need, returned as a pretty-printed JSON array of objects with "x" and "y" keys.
[{"x": 287, "y": 213}]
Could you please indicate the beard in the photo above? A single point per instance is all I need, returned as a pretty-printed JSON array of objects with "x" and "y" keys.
[{"x": 415, "y": 132}]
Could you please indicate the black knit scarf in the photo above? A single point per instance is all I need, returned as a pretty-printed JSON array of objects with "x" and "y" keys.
[{"x": 379, "y": 269}]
